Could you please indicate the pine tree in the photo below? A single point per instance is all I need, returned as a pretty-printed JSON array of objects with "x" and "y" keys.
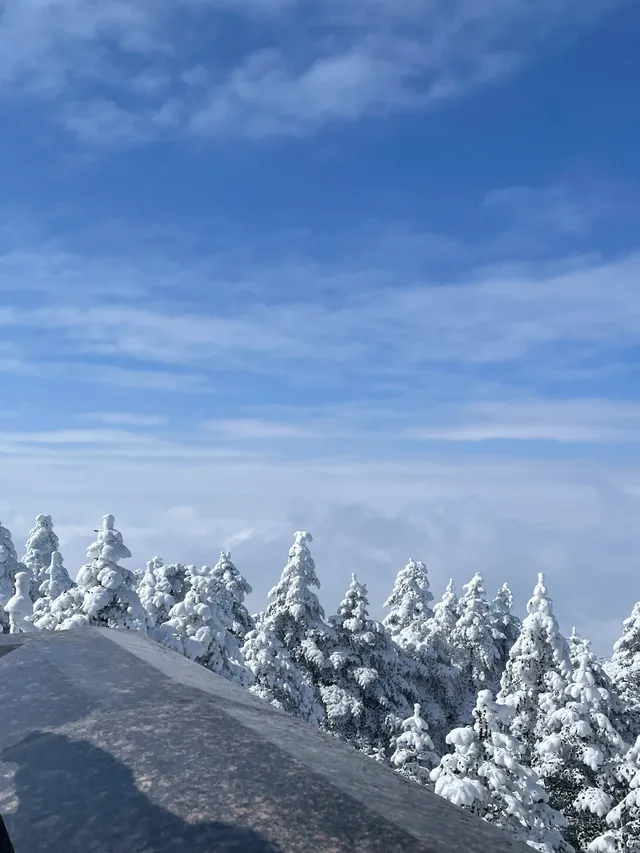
[
  {"x": 365, "y": 697},
  {"x": 295, "y": 614},
  {"x": 105, "y": 595},
  {"x": 56, "y": 583},
  {"x": 235, "y": 583},
  {"x": 474, "y": 648},
  {"x": 276, "y": 678},
  {"x": 505, "y": 625},
  {"x": 446, "y": 676},
  {"x": 41, "y": 544},
  {"x": 408, "y": 623},
  {"x": 579, "y": 754},
  {"x": 160, "y": 588},
  {"x": 538, "y": 664},
  {"x": 201, "y": 623},
  {"x": 485, "y": 775},
  {"x": 410, "y": 601},
  {"x": 414, "y": 754},
  {"x": 20, "y": 607},
  {"x": 623, "y": 821},
  {"x": 624, "y": 670},
  {"x": 9, "y": 568}
]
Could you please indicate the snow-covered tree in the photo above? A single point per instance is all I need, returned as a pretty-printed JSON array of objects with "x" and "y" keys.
[
  {"x": 408, "y": 624},
  {"x": 474, "y": 647},
  {"x": 294, "y": 612},
  {"x": 105, "y": 595},
  {"x": 56, "y": 583},
  {"x": 365, "y": 696},
  {"x": 579, "y": 755},
  {"x": 485, "y": 775},
  {"x": 41, "y": 544},
  {"x": 201, "y": 623},
  {"x": 414, "y": 754},
  {"x": 623, "y": 821},
  {"x": 504, "y": 623},
  {"x": 624, "y": 669},
  {"x": 9, "y": 568},
  {"x": 20, "y": 607},
  {"x": 439, "y": 642},
  {"x": 538, "y": 664},
  {"x": 410, "y": 600},
  {"x": 276, "y": 678},
  {"x": 160, "y": 588},
  {"x": 226, "y": 573}
]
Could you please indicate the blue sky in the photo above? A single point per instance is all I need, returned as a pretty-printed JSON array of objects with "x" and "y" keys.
[{"x": 374, "y": 273}]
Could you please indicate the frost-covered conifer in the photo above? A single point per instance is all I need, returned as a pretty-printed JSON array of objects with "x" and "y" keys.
[
  {"x": 623, "y": 821},
  {"x": 9, "y": 568},
  {"x": 365, "y": 696},
  {"x": 105, "y": 595},
  {"x": 20, "y": 607},
  {"x": 236, "y": 584},
  {"x": 485, "y": 775},
  {"x": 410, "y": 600},
  {"x": 161, "y": 587},
  {"x": 55, "y": 584},
  {"x": 579, "y": 755},
  {"x": 201, "y": 623},
  {"x": 414, "y": 754},
  {"x": 294, "y": 612},
  {"x": 408, "y": 624},
  {"x": 41, "y": 544},
  {"x": 276, "y": 678},
  {"x": 474, "y": 648},
  {"x": 624, "y": 669},
  {"x": 505, "y": 624},
  {"x": 439, "y": 639},
  {"x": 538, "y": 664}
]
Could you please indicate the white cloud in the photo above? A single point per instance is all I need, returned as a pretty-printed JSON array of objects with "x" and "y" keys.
[
  {"x": 347, "y": 61},
  {"x": 572, "y": 421},
  {"x": 126, "y": 418},
  {"x": 251, "y": 428}
]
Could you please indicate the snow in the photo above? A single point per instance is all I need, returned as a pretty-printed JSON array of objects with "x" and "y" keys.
[
  {"x": 20, "y": 606},
  {"x": 41, "y": 544},
  {"x": 9, "y": 568}
]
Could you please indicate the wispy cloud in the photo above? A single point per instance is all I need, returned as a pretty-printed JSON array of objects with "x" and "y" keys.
[
  {"x": 122, "y": 71},
  {"x": 126, "y": 419},
  {"x": 570, "y": 421},
  {"x": 249, "y": 428}
]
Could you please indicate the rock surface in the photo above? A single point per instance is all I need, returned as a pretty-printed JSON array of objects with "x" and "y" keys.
[{"x": 110, "y": 743}]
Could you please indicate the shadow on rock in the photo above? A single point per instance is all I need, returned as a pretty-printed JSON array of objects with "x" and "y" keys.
[{"x": 76, "y": 798}]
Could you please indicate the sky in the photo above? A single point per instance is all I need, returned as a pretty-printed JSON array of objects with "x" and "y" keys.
[{"x": 369, "y": 270}]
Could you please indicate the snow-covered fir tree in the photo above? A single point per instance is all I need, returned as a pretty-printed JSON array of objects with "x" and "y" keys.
[
  {"x": 624, "y": 669},
  {"x": 365, "y": 698},
  {"x": 538, "y": 664},
  {"x": 228, "y": 576},
  {"x": 579, "y": 755},
  {"x": 276, "y": 678},
  {"x": 407, "y": 622},
  {"x": 105, "y": 594},
  {"x": 201, "y": 624},
  {"x": 439, "y": 641},
  {"x": 410, "y": 600},
  {"x": 294, "y": 612},
  {"x": 56, "y": 583},
  {"x": 475, "y": 652},
  {"x": 485, "y": 775},
  {"x": 161, "y": 587},
  {"x": 504, "y": 623},
  {"x": 9, "y": 568},
  {"x": 41, "y": 544},
  {"x": 20, "y": 607},
  {"x": 623, "y": 821},
  {"x": 414, "y": 754}
]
